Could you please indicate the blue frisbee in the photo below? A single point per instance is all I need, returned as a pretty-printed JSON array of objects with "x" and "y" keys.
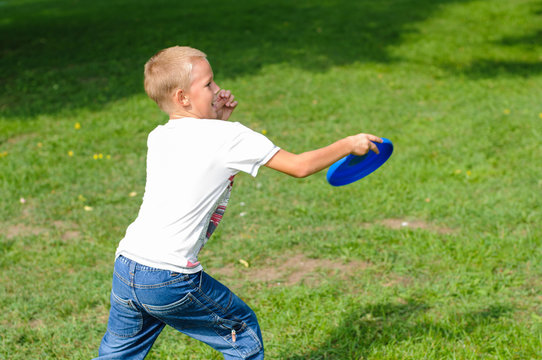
[{"x": 352, "y": 167}]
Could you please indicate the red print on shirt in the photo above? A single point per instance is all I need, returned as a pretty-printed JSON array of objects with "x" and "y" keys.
[{"x": 219, "y": 211}]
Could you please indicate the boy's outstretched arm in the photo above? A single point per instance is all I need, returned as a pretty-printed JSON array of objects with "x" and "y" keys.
[{"x": 311, "y": 162}]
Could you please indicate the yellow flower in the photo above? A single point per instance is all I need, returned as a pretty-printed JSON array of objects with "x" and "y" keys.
[
  {"x": 457, "y": 172},
  {"x": 132, "y": 194},
  {"x": 469, "y": 173},
  {"x": 3, "y": 154},
  {"x": 70, "y": 153},
  {"x": 108, "y": 157},
  {"x": 100, "y": 156},
  {"x": 77, "y": 126},
  {"x": 264, "y": 131},
  {"x": 88, "y": 208},
  {"x": 506, "y": 111},
  {"x": 540, "y": 115},
  {"x": 95, "y": 156}
]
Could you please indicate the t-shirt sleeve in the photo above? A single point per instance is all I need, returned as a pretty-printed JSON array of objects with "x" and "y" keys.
[{"x": 248, "y": 150}]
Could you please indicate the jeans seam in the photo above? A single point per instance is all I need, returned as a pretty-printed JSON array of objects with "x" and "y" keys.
[
  {"x": 166, "y": 309},
  {"x": 122, "y": 278},
  {"x": 212, "y": 302},
  {"x": 155, "y": 286},
  {"x": 170, "y": 282}
]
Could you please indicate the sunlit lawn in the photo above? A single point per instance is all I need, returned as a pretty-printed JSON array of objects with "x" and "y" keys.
[{"x": 437, "y": 255}]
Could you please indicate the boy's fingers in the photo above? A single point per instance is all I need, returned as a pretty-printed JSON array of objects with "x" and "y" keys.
[
  {"x": 226, "y": 94},
  {"x": 231, "y": 105},
  {"x": 220, "y": 97},
  {"x": 230, "y": 100},
  {"x": 225, "y": 97},
  {"x": 374, "y": 148},
  {"x": 375, "y": 139},
  {"x": 220, "y": 94}
]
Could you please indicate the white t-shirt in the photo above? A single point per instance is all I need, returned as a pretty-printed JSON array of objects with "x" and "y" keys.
[{"x": 190, "y": 168}]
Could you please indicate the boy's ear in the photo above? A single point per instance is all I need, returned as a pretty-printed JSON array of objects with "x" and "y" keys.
[{"x": 181, "y": 98}]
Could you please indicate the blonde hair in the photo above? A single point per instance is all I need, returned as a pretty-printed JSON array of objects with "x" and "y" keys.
[{"x": 168, "y": 70}]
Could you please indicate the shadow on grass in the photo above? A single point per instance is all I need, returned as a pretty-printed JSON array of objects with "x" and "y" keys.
[
  {"x": 69, "y": 54},
  {"x": 375, "y": 327},
  {"x": 482, "y": 68}
]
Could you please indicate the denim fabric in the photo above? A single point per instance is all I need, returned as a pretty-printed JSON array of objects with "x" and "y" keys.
[{"x": 145, "y": 299}]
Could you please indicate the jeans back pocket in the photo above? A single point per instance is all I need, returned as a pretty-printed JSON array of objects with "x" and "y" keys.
[{"x": 125, "y": 320}]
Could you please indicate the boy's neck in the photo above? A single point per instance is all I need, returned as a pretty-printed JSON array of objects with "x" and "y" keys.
[{"x": 180, "y": 115}]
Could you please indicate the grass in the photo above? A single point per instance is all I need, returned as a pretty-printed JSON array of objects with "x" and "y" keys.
[{"x": 455, "y": 84}]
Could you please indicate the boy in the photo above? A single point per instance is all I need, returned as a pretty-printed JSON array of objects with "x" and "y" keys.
[{"x": 191, "y": 162}]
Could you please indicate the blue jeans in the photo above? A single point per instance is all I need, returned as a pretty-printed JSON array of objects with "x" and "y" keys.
[{"x": 145, "y": 299}]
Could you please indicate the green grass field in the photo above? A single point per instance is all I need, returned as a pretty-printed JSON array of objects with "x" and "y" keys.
[{"x": 437, "y": 255}]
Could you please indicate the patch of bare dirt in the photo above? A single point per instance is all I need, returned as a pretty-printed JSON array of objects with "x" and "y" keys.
[
  {"x": 398, "y": 224},
  {"x": 23, "y": 230},
  {"x": 294, "y": 270},
  {"x": 68, "y": 230},
  {"x": 70, "y": 235},
  {"x": 395, "y": 224},
  {"x": 22, "y": 137},
  {"x": 36, "y": 323},
  {"x": 394, "y": 280}
]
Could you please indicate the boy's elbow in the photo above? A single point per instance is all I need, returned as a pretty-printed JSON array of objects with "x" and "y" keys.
[
  {"x": 302, "y": 171},
  {"x": 299, "y": 175},
  {"x": 291, "y": 164}
]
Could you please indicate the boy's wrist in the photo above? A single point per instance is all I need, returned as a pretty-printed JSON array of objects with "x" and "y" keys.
[{"x": 350, "y": 141}]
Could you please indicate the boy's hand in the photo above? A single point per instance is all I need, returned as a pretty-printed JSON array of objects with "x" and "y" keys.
[
  {"x": 363, "y": 143},
  {"x": 224, "y": 104}
]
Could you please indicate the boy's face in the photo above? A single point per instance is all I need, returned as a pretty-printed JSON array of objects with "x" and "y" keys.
[{"x": 203, "y": 90}]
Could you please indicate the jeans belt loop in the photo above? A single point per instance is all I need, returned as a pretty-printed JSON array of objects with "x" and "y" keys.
[{"x": 133, "y": 265}]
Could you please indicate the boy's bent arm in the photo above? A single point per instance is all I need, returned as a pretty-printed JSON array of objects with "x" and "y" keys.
[{"x": 311, "y": 162}]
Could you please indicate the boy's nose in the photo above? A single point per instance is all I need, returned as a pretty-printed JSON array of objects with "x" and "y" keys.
[{"x": 216, "y": 89}]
